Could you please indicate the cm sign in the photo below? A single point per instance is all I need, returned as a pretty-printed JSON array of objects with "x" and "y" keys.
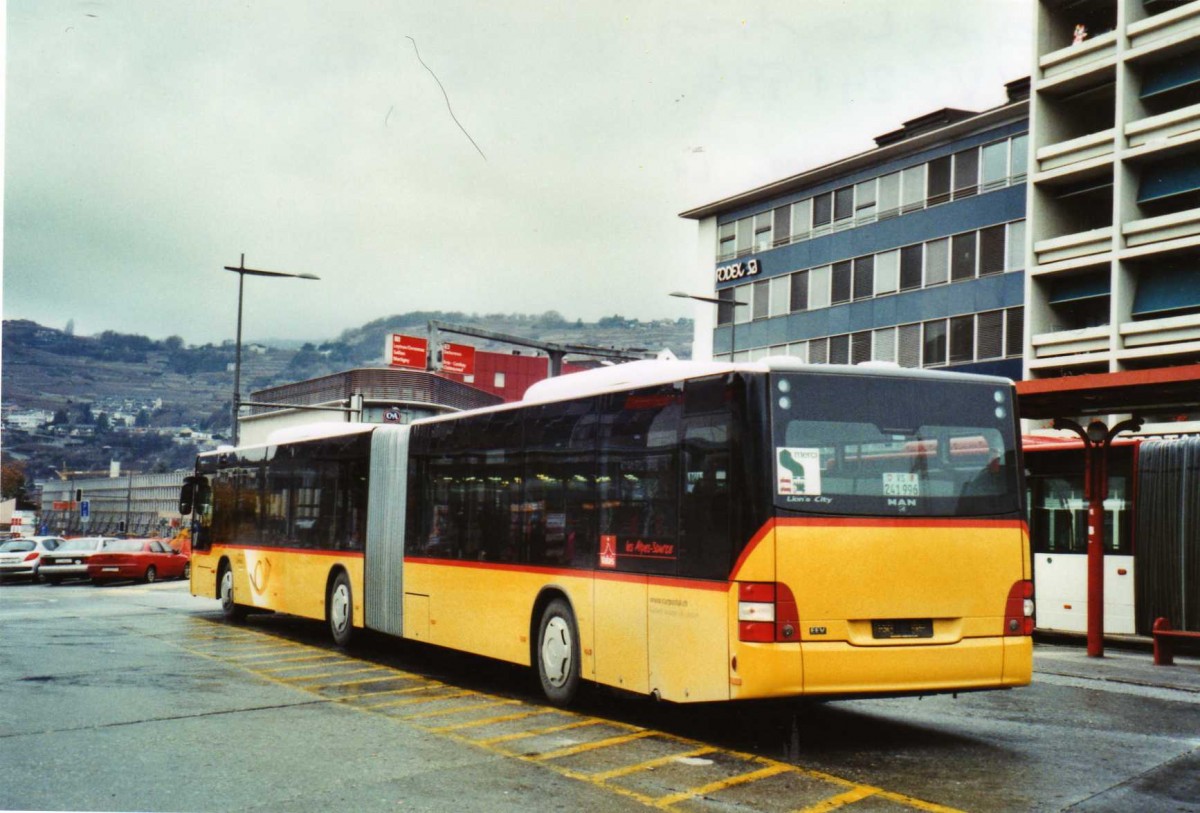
[{"x": 728, "y": 273}]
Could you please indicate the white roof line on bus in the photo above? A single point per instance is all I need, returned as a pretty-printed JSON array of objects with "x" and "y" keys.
[{"x": 313, "y": 431}]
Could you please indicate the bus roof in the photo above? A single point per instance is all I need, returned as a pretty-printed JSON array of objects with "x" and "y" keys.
[{"x": 650, "y": 372}]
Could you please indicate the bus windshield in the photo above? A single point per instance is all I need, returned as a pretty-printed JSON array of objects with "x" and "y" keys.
[{"x": 891, "y": 446}]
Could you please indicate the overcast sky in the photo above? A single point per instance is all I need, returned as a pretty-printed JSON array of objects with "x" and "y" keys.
[{"x": 149, "y": 143}]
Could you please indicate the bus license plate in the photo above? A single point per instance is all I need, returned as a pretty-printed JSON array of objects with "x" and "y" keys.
[{"x": 903, "y": 628}]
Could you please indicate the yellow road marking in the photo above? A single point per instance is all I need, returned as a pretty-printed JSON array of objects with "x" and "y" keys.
[
  {"x": 615, "y": 773},
  {"x": 459, "y": 709},
  {"x": 412, "y": 701},
  {"x": 571, "y": 750},
  {"x": 855, "y": 791},
  {"x": 322, "y": 675},
  {"x": 841, "y": 800},
  {"x": 520, "y": 735},
  {"x": 506, "y": 718},
  {"x": 722, "y": 784},
  {"x": 363, "y": 681},
  {"x": 425, "y": 687}
]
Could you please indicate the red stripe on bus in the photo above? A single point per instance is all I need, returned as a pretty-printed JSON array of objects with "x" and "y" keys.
[{"x": 605, "y": 575}]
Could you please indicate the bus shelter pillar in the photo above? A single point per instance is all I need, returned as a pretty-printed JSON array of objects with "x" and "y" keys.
[{"x": 1097, "y": 441}]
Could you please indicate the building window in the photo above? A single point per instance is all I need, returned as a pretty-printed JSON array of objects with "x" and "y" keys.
[
  {"x": 802, "y": 219},
  {"x": 781, "y": 295},
  {"x": 820, "y": 286},
  {"x": 991, "y": 250},
  {"x": 938, "y": 183},
  {"x": 783, "y": 226},
  {"x": 995, "y": 166},
  {"x": 818, "y": 351},
  {"x": 908, "y": 350},
  {"x": 933, "y": 343},
  {"x": 743, "y": 313},
  {"x": 937, "y": 261},
  {"x": 962, "y": 257},
  {"x": 864, "y": 202},
  {"x": 911, "y": 258},
  {"x": 822, "y": 208},
  {"x": 1020, "y": 158},
  {"x": 912, "y": 189},
  {"x": 989, "y": 335},
  {"x": 761, "y": 292},
  {"x": 966, "y": 173},
  {"x": 799, "y": 293},
  {"x": 839, "y": 289},
  {"x": 884, "y": 341},
  {"x": 843, "y": 208},
  {"x": 498, "y": 381},
  {"x": 889, "y": 195},
  {"x": 839, "y": 349},
  {"x": 724, "y": 311},
  {"x": 1014, "y": 330},
  {"x": 798, "y": 350},
  {"x": 887, "y": 272},
  {"x": 860, "y": 347},
  {"x": 745, "y": 235},
  {"x": 962, "y": 339},
  {"x": 726, "y": 237},
  {"x": 1016, "y": 245},
  {"x": 762, "y": 231},
  {"x": 864, "y": 277}
]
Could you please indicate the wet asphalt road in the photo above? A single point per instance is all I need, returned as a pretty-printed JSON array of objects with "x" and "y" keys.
[{"x": 139, "y": 698}]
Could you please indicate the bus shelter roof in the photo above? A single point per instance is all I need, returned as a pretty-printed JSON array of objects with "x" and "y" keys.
[{"x": 1160, "y": 389}]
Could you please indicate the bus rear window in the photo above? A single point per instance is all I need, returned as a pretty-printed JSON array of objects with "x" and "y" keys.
[{"x": 893, "y": 446}]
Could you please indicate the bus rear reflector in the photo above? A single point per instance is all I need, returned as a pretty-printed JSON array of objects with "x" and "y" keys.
[
  {"x": 1018, "y": 610},
  {"x": 766, "y": 612}
]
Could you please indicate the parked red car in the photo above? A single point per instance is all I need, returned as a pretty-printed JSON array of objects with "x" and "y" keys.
[{"x": 146, "y": 560}]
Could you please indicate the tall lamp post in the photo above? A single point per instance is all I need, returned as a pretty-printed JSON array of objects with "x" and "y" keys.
[
  {"x": 732, "y": 303},
  {"x": 241, "y": 270}
]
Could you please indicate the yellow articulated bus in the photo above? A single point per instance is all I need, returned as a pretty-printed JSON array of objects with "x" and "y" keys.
[{"x": 691, "y": 531}]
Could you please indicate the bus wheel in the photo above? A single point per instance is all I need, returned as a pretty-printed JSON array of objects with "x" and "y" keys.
[
  {"x": 558, "y": 653},
  {"x": 229, "y": 608},
  {"x": 341, "y": 611}
]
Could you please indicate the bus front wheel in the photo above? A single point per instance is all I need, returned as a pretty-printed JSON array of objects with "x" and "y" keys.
[
  {"x": 341, "y": 611},
  {"x": 229, "y": 608},
  {"x": 558, "y": 653}
]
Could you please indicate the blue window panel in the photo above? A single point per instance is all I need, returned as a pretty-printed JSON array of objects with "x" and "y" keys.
[
  {"x": 1171, "y": 75},
  {"x": 875, "y": 170},
  {"x": 1175, "y": 177},
  {"x": 1073, "y": 289},
  {"x": 1172, "y": 289}
]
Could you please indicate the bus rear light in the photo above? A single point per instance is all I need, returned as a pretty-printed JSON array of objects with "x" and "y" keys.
[
  {"x": 766, "y": 612},
  {"x": 1018, "y": 610}
]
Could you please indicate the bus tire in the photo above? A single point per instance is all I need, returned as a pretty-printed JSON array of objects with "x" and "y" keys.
[
  {"x": 557, "y": 653},
  {"x": 229, "y": 608},
  {"x": 340, "y": 611}
]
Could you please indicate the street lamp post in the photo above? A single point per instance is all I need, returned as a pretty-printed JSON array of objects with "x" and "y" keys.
[
  {"x": 241, "y": 270},
  {"x": 733, "y": 303}
]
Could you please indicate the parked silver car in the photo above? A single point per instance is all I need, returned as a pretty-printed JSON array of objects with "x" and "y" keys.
[
  {"x": 22, "y": 556},
  {"x": 70, "y": 559}
]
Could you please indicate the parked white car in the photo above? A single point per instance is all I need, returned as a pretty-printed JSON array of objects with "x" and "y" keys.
[
  {"x": 70, "y": 559},
  {"x": 22, "y": 556}
]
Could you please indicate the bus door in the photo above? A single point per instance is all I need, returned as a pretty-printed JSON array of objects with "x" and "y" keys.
[{"x": 1059, "y": 535}]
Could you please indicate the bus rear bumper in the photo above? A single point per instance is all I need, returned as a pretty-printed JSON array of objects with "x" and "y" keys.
[{"x": 831, "y": 669}]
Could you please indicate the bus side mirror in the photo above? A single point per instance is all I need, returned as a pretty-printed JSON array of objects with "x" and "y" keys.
[{"x": 187, "y": 496}]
